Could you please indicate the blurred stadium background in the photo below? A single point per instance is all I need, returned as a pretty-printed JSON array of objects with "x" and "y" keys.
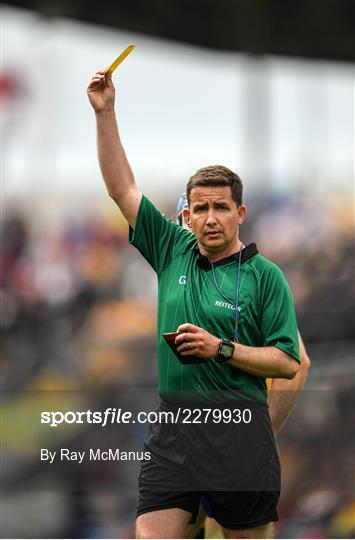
[{"x": 204, "y": 86}]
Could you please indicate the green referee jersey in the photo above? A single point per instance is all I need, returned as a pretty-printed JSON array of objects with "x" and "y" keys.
[{"x": 187, "y": 294}]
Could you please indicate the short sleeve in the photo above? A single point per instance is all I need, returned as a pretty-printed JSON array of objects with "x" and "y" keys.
[
  {"x": 278, "y": 317},
  {"x": 157, "y": 238}
]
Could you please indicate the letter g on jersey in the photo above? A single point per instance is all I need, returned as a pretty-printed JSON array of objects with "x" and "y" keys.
[{"x": 182, "y": 280}]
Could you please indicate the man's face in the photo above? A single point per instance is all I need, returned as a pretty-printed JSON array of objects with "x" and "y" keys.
[{"x": 215, "y": 219}]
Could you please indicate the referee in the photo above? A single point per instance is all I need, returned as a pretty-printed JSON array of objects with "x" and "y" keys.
[
  {"x": 282, "y": 397},
  {"x": 236, "y": 325}
]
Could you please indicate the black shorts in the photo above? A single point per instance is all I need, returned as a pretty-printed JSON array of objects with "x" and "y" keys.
[{"x": 234, "y": 465}]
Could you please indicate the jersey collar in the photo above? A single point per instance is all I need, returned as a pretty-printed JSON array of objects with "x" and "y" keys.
[{"x": 248, "y": 252}]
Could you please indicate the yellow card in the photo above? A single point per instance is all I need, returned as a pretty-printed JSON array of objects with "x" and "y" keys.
[{"x": 120, "y": 58}]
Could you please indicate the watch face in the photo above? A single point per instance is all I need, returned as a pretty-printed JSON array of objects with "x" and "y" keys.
[{"x": 226, "y": 350}]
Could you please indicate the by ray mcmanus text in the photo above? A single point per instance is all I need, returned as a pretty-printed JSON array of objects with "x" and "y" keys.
[{"x": 93, "y": 454}]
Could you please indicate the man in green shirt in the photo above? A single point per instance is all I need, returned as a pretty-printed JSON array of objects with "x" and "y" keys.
[
  {"x": 282, "y": 397},
  {"x": 236, "y": 325}
]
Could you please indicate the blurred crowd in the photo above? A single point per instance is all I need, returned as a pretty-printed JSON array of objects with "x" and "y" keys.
[{"x": 78, "y": 319}]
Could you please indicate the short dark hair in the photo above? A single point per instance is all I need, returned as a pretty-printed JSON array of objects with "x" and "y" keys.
[{"x": 215, "y": 176}]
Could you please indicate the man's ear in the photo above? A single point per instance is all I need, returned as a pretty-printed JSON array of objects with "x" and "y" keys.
[
  {"x": 242, "y": 213},
  {"x": 186, "y": 218}
]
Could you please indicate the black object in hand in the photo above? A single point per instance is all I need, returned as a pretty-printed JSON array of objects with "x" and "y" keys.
[{"x": 170, "y": 339}]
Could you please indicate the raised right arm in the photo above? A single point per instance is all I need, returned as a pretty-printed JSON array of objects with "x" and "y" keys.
[{"x": 114, "y": 165}]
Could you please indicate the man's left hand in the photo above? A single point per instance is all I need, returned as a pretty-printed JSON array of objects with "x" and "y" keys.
[{"x": 195, "y": 341}]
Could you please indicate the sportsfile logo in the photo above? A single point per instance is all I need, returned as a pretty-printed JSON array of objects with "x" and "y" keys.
[{"x": 219, "y": 303}]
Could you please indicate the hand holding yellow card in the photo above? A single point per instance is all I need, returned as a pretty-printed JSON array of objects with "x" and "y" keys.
[{"x": 120, "y": 58}]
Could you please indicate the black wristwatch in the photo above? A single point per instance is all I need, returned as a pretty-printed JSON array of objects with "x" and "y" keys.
[{"x": 225, "y": 351}]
